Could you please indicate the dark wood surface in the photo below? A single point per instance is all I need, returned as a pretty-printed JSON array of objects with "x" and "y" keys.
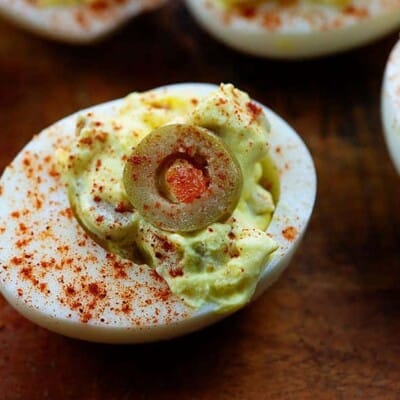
[{"x": 329, "y": 329}]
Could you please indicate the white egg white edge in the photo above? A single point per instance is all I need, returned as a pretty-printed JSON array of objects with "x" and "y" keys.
[
  {"x": 61, "y": 23},
  {"x": 297, "y": 41},
  {"x": 294, "y": 208},
  {"x": 390, "y": 105}
]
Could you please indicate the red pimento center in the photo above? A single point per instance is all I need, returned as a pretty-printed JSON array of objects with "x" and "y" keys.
[{"x": 185, "y": 181}]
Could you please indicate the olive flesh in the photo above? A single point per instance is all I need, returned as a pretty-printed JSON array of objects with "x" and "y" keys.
[{"x": 182, "y": 178}]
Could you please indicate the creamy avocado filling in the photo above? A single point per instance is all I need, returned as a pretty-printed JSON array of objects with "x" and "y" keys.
[{"x": 218, "y": 264}]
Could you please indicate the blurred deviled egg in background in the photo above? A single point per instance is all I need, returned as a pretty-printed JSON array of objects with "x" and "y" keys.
[
  {"x": 296, "y": 28},
  {"x": 391, "y": 105},
  {"x": 74, "y": 21}
]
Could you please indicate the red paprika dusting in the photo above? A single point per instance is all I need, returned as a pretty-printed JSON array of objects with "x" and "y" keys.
[
  {"x": 22, "y": 227},
  {"x": 86, "y": 140},
  {"x": 86, "y": 317},
  {"x": 53, "y": 172},
  {"x": 26, "y": 272},
  {"x": 272, "y": 21},
  {"x": 67, "y": 212},
  {"x": 45, "y": 264},
  {"x": 254, "y": 109},
  {"x": 94, "y": 289},
  {"x": 126, "y": 308},
  {"x": 231, "y": 235},
  {"x": 38, "y": 204},
  {"x": 118, "y": 265},
  {"x": 75, "y": 305},
  {"x": 136, "y": 160},
  {"x": 99, "y": 5},
  {"x": 23, "y": 242},
  {"x": 80, "y": 17},
  {"x": 174, "y": 272},
  {"x": 70, "y": 291},
  {"x": 43, "y": 287},
  {"x": 101, "y": 137},
  {"x": 156, "y": 276},
  {"x": 167, "y": 245},
  {"x": 356, "y": 11},
  {"x": 163, "y": 294},
  {"x": 289, "y": 233},
  {"x": 221, "y": 101},
  {"x": 122, "y": 207},
  {"x": 16, "y": 260},
  {"x": 63, "y": 248},
  {"x": 247, "y": 11}
]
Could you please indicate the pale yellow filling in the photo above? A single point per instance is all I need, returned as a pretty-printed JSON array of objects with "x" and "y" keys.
[
  {"x": 54, "y": 3},
  {"x": 336, "y": 3},
  {"x": 218, "y": 265}
]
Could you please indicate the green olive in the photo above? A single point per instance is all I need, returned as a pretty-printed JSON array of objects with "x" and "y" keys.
[{"x": 182, "y": 178}]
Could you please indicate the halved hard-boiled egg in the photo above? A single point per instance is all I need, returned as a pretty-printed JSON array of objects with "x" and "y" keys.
[
  {"x": 66, "y": 267},
  {"x": 74, "y": 21},
  {"x": 390, "y": 105},
  {"x": 296, "y": 28}
]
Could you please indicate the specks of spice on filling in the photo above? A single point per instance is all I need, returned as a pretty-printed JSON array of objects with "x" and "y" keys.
[
  {"x": 52, "y": 264},
  {"x": 86, "y": 15},
  {"x": 275, "y": 16}
]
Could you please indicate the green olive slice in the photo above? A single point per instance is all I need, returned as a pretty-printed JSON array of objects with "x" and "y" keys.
[{"x": 182, "y": 178}]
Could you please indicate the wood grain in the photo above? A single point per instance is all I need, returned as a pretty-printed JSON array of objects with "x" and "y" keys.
[{"x": 329, "y": 329}]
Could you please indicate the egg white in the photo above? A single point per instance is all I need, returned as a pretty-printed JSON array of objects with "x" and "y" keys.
[
  {"x": 77, "y": 24},
  {"x": 57, "y": 277},
  {"x": 299, "y": 31},
  {"x": 390, "y": 105}
]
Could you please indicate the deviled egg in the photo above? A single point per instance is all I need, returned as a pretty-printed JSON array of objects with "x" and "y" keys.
[
  {"x": 152, "y": 216},
  {"x": 296, "y": 28},
  {"x": 74, "y": 21},
  {"x": 390, "y": 105}
]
